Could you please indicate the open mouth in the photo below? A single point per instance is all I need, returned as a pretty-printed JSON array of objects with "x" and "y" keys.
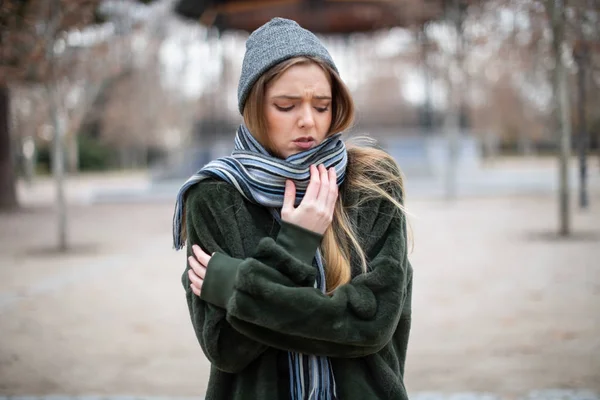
[{"x": 304, "y": 142}]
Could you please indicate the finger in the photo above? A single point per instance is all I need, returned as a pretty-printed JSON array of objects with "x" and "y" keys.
[
  {"x": 198, "y": 268},
  {"x": 333, "y": 174},
  {"x": 333, "y": 189},
  {"x": 324, "y": 187},
  {"x": 312, "y": 191},
  {"x": 195, "y": 290},
  {"x": 201, "y": 255},
  {"x": 195, "y": 282},
  {"x": 333, "y": 178},
  {"x": 194, "y": 279},
  {"x": 289, "y": 196}
]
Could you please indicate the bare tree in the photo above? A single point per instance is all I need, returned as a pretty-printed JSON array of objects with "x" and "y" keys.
[
  {"x": 26, "y": 35},
  {"x": 556, "y": 12},
  {"x": 531, "y": 72},
  {"x": 8, "y": 193},
  {"x": 585, "y": 36}
]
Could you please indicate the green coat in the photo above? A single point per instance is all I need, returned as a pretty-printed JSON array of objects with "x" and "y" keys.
[{"x": 258, "y": 299}]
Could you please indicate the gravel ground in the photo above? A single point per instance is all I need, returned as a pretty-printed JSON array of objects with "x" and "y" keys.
[{"x": 503, "y": 309}]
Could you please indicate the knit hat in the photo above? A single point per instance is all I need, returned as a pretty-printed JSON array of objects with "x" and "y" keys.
[{"x": 276, "y": 41}]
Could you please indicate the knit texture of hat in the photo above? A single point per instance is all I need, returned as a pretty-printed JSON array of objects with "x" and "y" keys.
[{"x": 276, "y": 41}]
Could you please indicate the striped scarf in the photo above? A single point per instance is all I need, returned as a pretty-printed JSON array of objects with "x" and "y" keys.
[{"x": 261, "y": 178}]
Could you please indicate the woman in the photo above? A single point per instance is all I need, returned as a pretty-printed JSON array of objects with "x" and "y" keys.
[{"x": 298, "y": 282}]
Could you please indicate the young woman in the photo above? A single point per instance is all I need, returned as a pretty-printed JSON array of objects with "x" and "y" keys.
[{"x": 298, "y": 282}]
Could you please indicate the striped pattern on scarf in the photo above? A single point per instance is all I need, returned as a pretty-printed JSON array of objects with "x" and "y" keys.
[{"x": 261, "y": 178}]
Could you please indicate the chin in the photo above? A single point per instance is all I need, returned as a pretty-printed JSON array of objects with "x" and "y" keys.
[{"x": 282, "y": 154}]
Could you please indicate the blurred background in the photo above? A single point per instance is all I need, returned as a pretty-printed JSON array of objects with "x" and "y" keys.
[{"x": 491, "y": 108}]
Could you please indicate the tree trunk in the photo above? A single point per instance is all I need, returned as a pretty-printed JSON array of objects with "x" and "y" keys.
[
  {"x": 8, "y": 190},
  {"x": 561, "y": 104},
  {"x": 452, "y": 121},
  {"x": 582, "y": 140},
  {"x": 72, "y": 152},
  {"x": 58, "y": 166},
  {"x": 427, "y": 109}
]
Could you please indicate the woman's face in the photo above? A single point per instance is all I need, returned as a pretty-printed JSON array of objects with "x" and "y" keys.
[{"x": 298, "y": 109}]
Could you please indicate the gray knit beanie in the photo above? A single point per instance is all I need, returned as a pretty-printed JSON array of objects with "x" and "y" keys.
[{"x": 272, "y": 43}]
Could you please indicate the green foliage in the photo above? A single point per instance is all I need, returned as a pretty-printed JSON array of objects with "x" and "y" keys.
[
  {"x": 99, "y": 18},
  {"x": 93, "y": 155},
  {"x": 43, "y": 161}
]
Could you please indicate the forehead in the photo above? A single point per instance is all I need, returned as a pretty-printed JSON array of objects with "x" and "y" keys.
[{"x": 300, "y": 78}]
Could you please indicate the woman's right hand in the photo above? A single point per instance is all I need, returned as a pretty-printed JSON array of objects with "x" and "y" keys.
[{"x": 315, "y": 211}]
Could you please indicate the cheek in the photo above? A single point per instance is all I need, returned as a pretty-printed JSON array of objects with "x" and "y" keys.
[
  {"x": 271, "y": 117},
  {"x": 325, "y": 122},
  {"x": 277, "y": 123},
  {"x": 276, "y": 118},
  {"x": 283, "y": 119}
]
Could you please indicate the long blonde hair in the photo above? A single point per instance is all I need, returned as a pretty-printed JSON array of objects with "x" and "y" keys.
[{"x": 370, "y": 171}]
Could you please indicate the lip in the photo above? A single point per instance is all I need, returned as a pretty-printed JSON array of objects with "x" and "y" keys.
[
  {"x": 305, "y": 142},
  {"x": 304, "y": 145}
]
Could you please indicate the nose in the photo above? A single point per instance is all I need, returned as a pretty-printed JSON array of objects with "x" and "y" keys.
[{"x": 306, "y": 119}]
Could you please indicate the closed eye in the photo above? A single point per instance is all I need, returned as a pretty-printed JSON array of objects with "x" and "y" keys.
[{"x": 284, "y": 108}]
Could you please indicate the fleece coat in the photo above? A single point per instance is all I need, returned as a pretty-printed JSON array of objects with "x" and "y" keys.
[{"x": 258, "y": 301}]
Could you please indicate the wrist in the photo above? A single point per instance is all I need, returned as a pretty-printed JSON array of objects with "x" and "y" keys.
[
  {"x": 300, "y": 242},
  {"x": 220, "y": 278},
  {"x": 312, "y": 228}
]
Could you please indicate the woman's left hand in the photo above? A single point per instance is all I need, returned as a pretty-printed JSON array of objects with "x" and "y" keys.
[{"x": 198, "y": 263}]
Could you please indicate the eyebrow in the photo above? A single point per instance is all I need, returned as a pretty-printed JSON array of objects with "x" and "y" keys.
[{"x": 289, "y": 97}]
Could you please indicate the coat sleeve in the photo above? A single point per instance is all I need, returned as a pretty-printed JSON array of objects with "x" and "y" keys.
[
  {"x": 225, "y": 347},
  {"x": 269, "y": 297}
]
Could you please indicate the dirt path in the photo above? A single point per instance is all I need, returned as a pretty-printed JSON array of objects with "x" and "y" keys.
[{"x": 499, "y": 304}]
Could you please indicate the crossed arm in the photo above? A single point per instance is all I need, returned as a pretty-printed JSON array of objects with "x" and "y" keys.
[{"x": 267, "y": 299}]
